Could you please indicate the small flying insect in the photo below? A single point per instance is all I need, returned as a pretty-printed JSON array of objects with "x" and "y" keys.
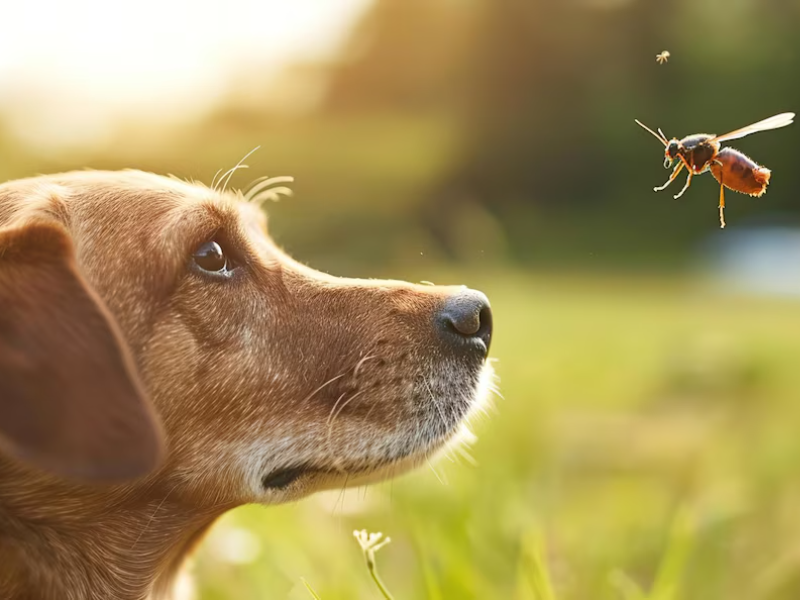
[
  {"x": 733, "y": 170},
  {"x": 663, "y": 57}
]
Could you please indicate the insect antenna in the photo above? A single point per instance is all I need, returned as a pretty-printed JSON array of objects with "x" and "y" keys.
[{"x": 661, "y": 138}]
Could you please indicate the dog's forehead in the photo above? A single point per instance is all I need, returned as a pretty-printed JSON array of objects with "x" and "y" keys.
[
  {"x": 135, "y": 200},
  {"x": 137, "y": 190},
  {"x": 128, "y": 200}
]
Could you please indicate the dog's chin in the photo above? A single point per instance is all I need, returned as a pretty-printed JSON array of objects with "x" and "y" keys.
[
  {"x": 293, "y": 483},
  {"x": 299, "y": 480},
  {"x": 462, "y": 436}
]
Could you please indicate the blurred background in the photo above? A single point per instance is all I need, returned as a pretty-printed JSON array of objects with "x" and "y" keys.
[{"x": 647, "y": 434}]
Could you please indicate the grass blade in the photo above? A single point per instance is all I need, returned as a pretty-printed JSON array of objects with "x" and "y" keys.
[
  {"x": 311, "y": 591},
  {"x": 673, "y": 564},
  {"x": 534, "y": 569}
]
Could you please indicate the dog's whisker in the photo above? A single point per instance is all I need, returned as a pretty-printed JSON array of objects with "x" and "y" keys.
[
  {"x": 495, "y": 389},
  {"x": 464, "y": 453},
  {"x": 153, "y": 515},
  {"x": 361, "y": 362},
  {"x": 333, "y": 415},
  {"x": 448, "y": 454},
  {"x": 435, "y": 473},
  {"x": 436, "y": 404},
  {"x": 340, "y": 498},
  {"x": 369, "y": 412},
  {"x": 332, "y": 418},
  {"x": 329, "y": 434},
  {"x": 320, "y": 388}
]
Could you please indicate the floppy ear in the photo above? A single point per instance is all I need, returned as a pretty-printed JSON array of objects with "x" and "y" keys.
[{"x": 70, "y": 400}]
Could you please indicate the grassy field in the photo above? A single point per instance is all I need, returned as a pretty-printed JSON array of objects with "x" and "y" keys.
[{"x": 647, "y": 444}]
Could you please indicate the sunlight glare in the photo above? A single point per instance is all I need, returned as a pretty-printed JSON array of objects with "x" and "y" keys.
[{"x": 69, "y": 69}]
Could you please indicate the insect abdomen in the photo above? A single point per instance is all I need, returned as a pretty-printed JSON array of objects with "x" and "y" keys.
[{"x": 740, "y": 173}]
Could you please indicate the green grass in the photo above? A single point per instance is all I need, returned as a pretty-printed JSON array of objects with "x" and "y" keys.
[{"x": 646, "y": 448}]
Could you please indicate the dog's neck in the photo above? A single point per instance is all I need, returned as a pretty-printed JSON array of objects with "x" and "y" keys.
[{"x": 68, "y": 542}]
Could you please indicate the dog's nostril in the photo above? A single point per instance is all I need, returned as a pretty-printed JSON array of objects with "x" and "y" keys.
[
  {"x": 466, "y": 317},
  {"x": 467, "y": 323}
]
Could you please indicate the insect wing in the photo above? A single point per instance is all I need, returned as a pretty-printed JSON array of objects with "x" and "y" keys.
[{"x": 776, "y": 122}]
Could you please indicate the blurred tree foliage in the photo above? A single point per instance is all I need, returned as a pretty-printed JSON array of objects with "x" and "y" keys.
[
  {"x": 545, "y": 93},
  {"x": 499, "y": 129}
]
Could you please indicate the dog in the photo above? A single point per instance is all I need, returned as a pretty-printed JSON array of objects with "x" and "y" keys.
[{"x": 162, "y": 361}]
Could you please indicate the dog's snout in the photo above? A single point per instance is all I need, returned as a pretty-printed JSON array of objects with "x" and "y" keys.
[{"x": 466, "y": 321}]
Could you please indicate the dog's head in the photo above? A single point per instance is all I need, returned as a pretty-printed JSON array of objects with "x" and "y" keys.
[{"x": 269, "y": 380}]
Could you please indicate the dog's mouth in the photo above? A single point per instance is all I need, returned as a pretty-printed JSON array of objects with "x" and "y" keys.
[
  {"x": 328, "y": 471},
  {"x": 283, "y": 478}
]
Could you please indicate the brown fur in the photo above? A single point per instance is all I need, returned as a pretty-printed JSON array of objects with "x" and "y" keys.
[{"x": 114, "y": 347}]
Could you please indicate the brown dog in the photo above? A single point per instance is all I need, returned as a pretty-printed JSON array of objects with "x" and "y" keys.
[{"x": 268, "y": 381}]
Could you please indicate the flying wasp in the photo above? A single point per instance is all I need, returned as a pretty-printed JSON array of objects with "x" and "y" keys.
[{"x": 701, "y": 152}]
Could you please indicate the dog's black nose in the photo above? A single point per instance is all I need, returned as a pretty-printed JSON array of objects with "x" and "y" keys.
[{"x": 465, "y": 321}]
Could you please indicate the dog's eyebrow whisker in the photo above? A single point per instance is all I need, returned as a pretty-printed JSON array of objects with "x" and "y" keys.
[
  {"x": 226, "y": 178},
  {"x": 257, "y": 180},
  {"x": 273, "y": 194},
  {"x": 262, "y": 183},
  {"x": 214, "y": 179},
  {"x": 253, "y": 184}
]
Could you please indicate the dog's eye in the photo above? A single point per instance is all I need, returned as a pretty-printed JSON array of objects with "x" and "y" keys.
[{"x": 210, "y": 257}]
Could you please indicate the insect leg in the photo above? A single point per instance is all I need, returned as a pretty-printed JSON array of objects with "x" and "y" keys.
[
  {"x": 721, "y": 194},
  {"x": 685, "y": 187},
  {"x": 672, "y": 177}
]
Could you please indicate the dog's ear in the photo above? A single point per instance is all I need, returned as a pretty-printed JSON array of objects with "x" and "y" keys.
[{"x": 70, "y": 399}]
